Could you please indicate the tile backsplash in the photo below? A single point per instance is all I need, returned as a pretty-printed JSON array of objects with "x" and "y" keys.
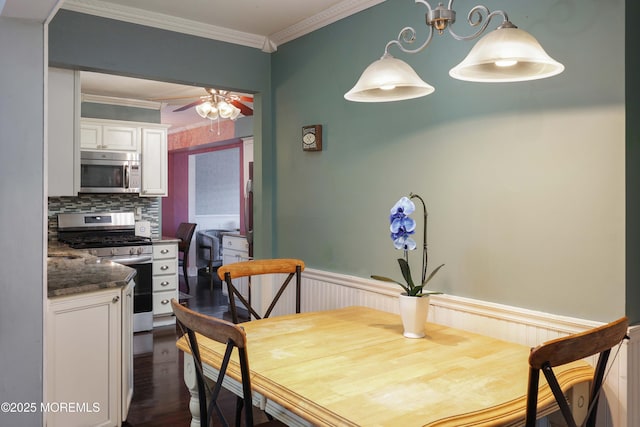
[{"x": 84, "y": 203}]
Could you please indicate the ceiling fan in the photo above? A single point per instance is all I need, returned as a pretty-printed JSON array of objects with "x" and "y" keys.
[{"x": 220, "y": 103}]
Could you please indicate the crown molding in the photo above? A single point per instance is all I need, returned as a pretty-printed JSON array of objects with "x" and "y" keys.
[
  {"x": 111, "y": 100},
  {"x": 266, "y": 44},
  {"x": 165, "y": 22},
  {"x": 328, "y": 16}
]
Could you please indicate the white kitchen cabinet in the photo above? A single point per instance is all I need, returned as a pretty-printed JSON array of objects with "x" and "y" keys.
[
  {"x": 165, "y": 281},
  {"x": 127, "y": 350},
  {"x": 63, "y": 126},
  {"x": 110, "y": 135},
  {"x": 90, "y": 357},
  {"x": 153, "y": 149},
  {"x": 148, "y": 139},
  {"x": 235, "y": 248}
]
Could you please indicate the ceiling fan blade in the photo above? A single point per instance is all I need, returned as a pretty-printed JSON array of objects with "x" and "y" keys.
[
  {"x": 246, "y": 111},
  {"x": 246, "y": 98},
  {"x": 186, "y": 107}
]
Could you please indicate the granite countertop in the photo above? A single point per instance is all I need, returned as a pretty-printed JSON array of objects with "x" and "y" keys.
[
  {"x": 167, "y": 239},
  {"x": 232, "y": 233},
  {"x": 71, "y": 272}
]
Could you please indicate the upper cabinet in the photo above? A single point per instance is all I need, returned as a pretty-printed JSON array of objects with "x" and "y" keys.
[
  {"x": 153, "y": 149},
  {"x": 148, "y": 139},
  {"x": 110, "y": 135},
  {"x": 63, "y": 113}
]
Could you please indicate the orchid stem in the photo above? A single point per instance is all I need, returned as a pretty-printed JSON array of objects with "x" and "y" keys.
[{"x": 424, "y": 237}]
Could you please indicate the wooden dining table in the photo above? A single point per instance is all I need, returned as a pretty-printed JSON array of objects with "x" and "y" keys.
[{"x": 353, "y": 367}]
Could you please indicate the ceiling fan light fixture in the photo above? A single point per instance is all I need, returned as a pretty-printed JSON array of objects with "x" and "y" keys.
[
  {"x": 213, "y": 113},
  {"x": 235, "y": 112},
  {"x": 225, "y": 109},
  {"x": 204, "y": 109},
  {"x": 219, "y": 103}
]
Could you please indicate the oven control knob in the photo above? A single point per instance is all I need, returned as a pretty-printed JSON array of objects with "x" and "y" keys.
[
  {"x": 114, "y": 251},
  {"x": 140, "y": 250},
  {"x": 93, "y": 252},
  {"x": 132, "y": 251}
]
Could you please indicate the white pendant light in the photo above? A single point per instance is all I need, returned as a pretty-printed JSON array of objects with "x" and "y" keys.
[
  {"x": 388, "y": 79},
  {"x": 507, "y": 54}
]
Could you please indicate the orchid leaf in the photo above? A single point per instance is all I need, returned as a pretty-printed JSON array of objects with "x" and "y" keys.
[
  {"x": 433, "y": 273},
  {"x": 406, "y": 272},
  {"x": 386, "y": 279}
]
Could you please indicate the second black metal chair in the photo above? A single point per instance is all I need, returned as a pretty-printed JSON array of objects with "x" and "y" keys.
[
  {"x": 568, "y": 349},
  {"x": 229, "y": 272}
]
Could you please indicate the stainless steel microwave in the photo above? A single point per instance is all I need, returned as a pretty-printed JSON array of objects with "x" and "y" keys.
[{"x": 109, "y": 172}]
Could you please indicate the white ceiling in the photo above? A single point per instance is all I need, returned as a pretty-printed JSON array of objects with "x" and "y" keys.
[{"x": 260, "y": 24}]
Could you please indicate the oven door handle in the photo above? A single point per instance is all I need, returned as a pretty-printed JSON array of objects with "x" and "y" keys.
[{"x": 132, "y": 260}]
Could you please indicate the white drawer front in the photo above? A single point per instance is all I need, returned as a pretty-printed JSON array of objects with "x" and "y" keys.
[
  {"x": 165, "y": 283},
  {"x": 235, "y": 243},
  {"x": 162, "y": 302},
  {"x": 168, "y": 266},
  {"x": 165, "y": 251}
]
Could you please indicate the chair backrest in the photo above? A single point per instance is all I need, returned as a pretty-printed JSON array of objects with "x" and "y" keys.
[
  {"x": 564, "y": 350},
  {"x": 228, "y": 272},
  {"x": 224, "y": 332},
  {"x": 185, "y": 233}
]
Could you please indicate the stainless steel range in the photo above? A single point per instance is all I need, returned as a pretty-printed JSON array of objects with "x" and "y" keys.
[{"x": 111, "y": 237}]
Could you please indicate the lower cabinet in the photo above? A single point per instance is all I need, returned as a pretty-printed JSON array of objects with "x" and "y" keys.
[
  {"x": 235, "y": 248},
  {"x": 90, "y": 358},
  {"x": 165, "y": 281}
]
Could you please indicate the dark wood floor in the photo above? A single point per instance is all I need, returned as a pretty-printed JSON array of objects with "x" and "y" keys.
[{"x": 160, "y": 397}]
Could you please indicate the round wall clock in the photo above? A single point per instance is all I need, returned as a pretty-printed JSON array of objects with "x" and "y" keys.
[{"x": 312, "y": 138}]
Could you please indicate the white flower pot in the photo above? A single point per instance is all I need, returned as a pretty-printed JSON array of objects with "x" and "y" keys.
[{"x": 414, "y": 311}]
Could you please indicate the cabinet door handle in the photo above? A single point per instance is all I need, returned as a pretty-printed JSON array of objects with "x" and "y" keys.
[
  {"x": 164, "y": 267},
  {"x": 164, "y": 251},
  {"x": 165, "y": 301},
  {"x": 165, "y": 283},
  {"x": 115, "y": 299}
]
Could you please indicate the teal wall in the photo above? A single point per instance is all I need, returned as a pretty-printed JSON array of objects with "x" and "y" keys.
[{"x": 524, "y": 182}]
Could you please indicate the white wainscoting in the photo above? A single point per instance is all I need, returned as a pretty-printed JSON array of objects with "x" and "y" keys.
[{"x": 323, "y": 290}]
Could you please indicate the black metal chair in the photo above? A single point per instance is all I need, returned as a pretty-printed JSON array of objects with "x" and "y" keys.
[
  {"x": 185, "y": 234},
  {"x": 568, "y": 349},
  {"x": 192, "y": 324},
  {"x": 228, "y": 272}
]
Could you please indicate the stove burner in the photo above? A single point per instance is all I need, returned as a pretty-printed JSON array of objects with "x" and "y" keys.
[{"x": 104, "y": 241}]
